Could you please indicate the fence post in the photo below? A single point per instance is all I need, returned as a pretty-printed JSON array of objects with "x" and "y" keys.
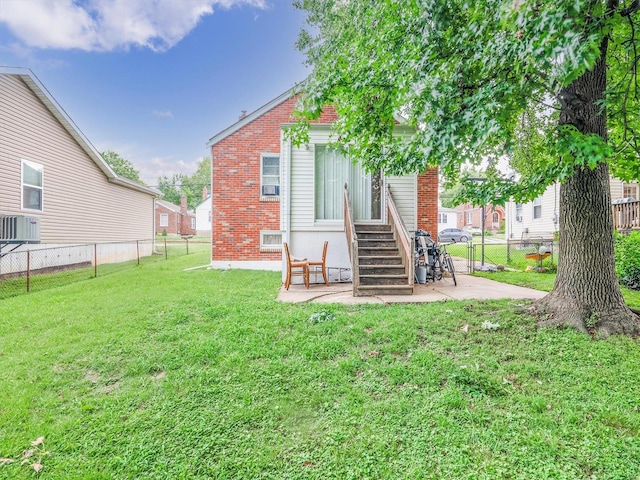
[
  {"x": 187, "y": 240},
  {"x": 28, "y": 270},
  {"x": 95, "y": 260},
  {"x": 508, "y": 252},
  {"x": 165, "y": 248},
  {"x": 138, "y": 250}
]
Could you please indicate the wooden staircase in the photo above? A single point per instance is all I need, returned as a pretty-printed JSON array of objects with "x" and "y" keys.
[{"x": 381, "y": 270}]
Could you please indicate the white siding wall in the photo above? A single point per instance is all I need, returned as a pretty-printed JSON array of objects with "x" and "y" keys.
[
  {"x": 203, "y": 217},
  {"x": 550, "y": 211},
  {"x": 404, "y": 191},
  {"x": 304, "y": 234},
  {"x": 79, "y": 203}
]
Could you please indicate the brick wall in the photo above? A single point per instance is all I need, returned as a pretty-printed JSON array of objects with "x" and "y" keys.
[
  {"x": 239, "y": 212},
  {"x": 179, "y": 222},
  {"x": 428, "y": 201}
]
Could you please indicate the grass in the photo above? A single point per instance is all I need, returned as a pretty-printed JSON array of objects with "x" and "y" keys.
[
  {"x": 544, "y": 282},
  {"x": 499, "y": 254},
  {"x": 158, "y": 372}
]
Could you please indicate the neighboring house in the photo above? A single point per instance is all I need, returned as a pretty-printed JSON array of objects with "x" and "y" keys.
[
  {"x": 470, "y": 217},
  {"x": 55, "y": 188},
  {"x": 203, "y": 214},
  {"x": 540, "y": 217},
  {"x": 174, "y": 219},
  {"x": 266, "y": 191},
  {"x": 447, "y": 218}
]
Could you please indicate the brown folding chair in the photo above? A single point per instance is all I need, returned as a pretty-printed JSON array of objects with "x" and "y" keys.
[
  {"x": 317, "y": 266},
  {"x": 296, "y": 267}
]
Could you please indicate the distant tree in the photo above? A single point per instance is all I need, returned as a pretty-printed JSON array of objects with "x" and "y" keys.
[
  {"x": 191, "y": 186},
  {"x": 122, "y": 166},
  {"x": 170, "y": 187}
]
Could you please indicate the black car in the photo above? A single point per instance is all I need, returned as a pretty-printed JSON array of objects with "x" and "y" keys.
[{"x": 453, "y": 235}]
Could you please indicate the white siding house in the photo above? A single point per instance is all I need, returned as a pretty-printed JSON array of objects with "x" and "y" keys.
[
  {"x": 203, "y": 217},
  {"x": 51, "y": 172},
  {"x": 307, "y": 220},
  {"x": 447, "y": 218},
  {"x": 540, "y": 217}
]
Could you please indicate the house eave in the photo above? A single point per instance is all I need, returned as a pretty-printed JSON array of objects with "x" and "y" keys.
[
  {"x": 37, "y": 87},
  {"x": 251, "y": 117}
]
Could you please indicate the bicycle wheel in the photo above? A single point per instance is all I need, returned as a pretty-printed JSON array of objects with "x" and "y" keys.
[{"x": 449, "y": 263}]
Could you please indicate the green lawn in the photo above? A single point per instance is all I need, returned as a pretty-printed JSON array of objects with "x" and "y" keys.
[
  {"x": 157, "y": 372},
  {"x": 544, "y": 282}
]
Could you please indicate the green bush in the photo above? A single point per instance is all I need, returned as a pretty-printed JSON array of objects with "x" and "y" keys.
[{"x": 628, "y": 259}]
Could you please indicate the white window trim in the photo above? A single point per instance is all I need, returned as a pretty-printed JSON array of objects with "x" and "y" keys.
[
  {"x": 271, "y": 247},
  {"x": 536, "y": 203},
  {"x": 164, "y": 215},
  {"x": 262, "y": 157},
  {"x": 36, "y": 166}
]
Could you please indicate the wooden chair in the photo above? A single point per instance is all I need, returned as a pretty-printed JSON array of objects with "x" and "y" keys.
[
  {"x": 296, "y": 267},
  {"x": 317, "y": 266}
]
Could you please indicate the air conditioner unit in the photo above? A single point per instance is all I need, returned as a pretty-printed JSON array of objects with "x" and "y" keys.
[
  {"x": 19, "y": 229},
  {"x": 518, "y": 218},
  {"x": 270, "y": 190}
]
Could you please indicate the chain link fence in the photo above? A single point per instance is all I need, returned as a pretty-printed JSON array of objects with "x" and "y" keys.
[
  {"x": 539, "y": 254},
  {"x": 33, "y": 269}
]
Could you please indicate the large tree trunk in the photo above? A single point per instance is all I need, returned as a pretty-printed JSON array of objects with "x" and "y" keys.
[{"x": 586, "y": 294}]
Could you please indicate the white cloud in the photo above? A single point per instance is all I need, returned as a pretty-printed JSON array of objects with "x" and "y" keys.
[
  {"x": 162, "y": 113},
  {"x": 105, "y": 25},
  {"x": 150, "y": 170}
]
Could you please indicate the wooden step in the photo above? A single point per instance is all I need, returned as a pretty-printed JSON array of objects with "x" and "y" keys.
[
  {"x": 377, "y": 251},
  {"x": 371, "y": 290},
  {"x": 377, "y": 269},
  {"x": 384, "y": 279},
  {"x": 372, "y": 227},
  {"x": 376, "y": 243},
  {"x": 380, "y": 260}
]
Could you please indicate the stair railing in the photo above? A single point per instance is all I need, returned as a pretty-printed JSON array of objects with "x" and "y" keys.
[
  {"x": 401, "y": 235},
  {"x": 352, "y": 241},
  {"x": 626, "y": 216}
]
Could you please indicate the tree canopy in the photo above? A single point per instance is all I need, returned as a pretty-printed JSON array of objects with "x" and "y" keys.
[
  {"x": 552, "y": 87},
  {"x": 475, "y": 79},
  {"x": 191, "y": 186},
  {"x": 122, "y": 166}
]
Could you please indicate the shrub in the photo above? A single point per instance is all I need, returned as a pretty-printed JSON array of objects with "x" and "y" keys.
[
  {"x": 164, "y": 232},
  {"x": 628, "y": 259}
]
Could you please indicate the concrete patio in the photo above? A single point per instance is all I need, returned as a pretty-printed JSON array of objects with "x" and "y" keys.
[{"x": 468, "y": 288}]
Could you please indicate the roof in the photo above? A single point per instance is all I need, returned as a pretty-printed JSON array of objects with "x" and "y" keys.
[
  {"x": 250, "y": 117},
  {"x": 172, "y": 206},
  {"x": 36, "y": 86}
]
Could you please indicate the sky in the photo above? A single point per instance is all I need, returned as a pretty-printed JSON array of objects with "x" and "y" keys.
[{"x": 153, "y": 80}]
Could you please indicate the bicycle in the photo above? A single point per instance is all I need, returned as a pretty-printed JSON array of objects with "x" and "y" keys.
[
  {"x": 433, "y": 257},
  {"x": 444, "y": 261}
]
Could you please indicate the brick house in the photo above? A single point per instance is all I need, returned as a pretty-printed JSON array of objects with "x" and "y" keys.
[
  {"x": 174, "y": 219},
  {"x": 470, "y": 217},
  {"x": 266, "y": 191}
]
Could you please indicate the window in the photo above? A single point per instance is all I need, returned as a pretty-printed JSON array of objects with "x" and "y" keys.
[
  {"x": 271, "y": 239},
  {"x": 537, "y": 208},
  {"x": 495, "y": 218},
  {"x": 164, "y": 219},
  {"x": 193, "y": 223},
  {"x": 469, "y": 218},
  {"x": 269, "y": 175},
  {"x": 442, "y": 218},
  {"x": 332, "y": 171},
  {"x": 518, "y": 212},
  {"x": 629, "y": 190},
  {"x": 32, "y": 185}
]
